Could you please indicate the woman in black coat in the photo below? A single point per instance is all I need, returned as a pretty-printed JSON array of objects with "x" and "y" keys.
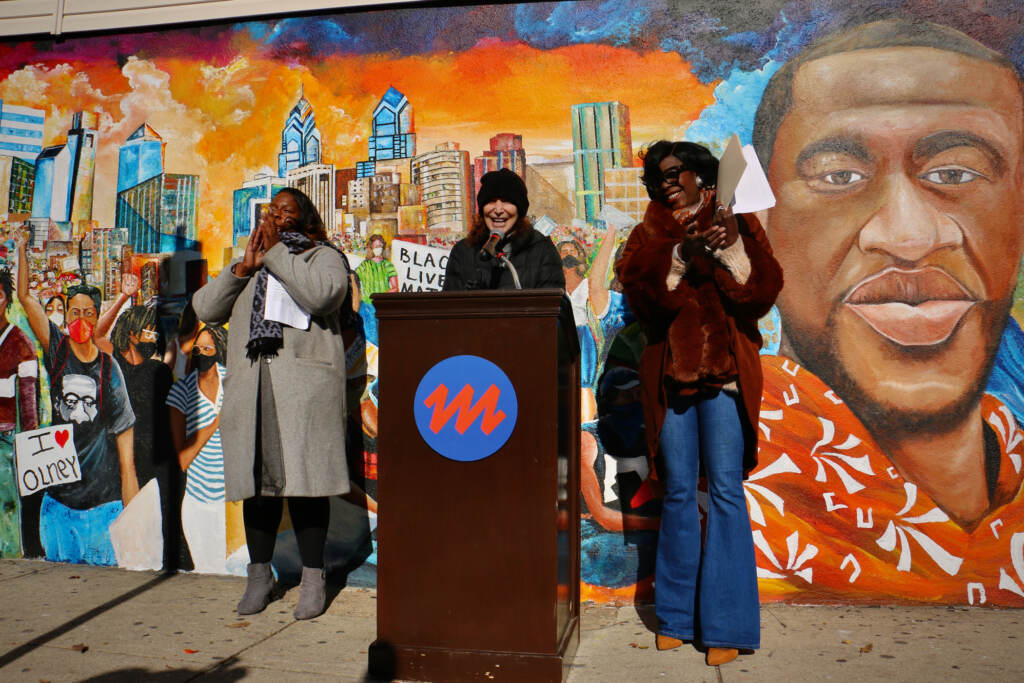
[{"x": 501, "y": 227}]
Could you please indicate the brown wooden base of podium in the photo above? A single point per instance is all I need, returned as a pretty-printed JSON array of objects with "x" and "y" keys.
[{"x": 408, "y": 663}]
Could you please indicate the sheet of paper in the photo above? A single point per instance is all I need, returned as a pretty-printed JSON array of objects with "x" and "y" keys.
[
  {"x": 753, "y": 193},
  {"x": 730, "y": 170},
  {"x": 281, "y": 306}
]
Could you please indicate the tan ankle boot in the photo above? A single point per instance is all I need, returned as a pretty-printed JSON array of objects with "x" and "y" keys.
[
  {"x": 721, "y": 655},
  {"x": 666, "y": 642}
]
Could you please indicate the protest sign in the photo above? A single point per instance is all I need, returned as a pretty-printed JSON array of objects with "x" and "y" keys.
[
  {"x": 420, "y": 268},
  {"x": 46, "y": 457}
]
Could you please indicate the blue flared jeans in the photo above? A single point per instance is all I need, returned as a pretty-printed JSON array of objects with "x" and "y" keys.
[{"x": 706, "y": 593}]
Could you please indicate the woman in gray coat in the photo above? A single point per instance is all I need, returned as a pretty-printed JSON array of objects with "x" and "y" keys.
[{"x": 283, "y": 416}]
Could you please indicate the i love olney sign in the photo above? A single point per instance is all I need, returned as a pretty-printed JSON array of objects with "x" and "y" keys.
[{"x": 46, "y": 457}]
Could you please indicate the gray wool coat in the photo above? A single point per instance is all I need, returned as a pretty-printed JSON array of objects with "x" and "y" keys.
[{"x": 308, "y": 374}]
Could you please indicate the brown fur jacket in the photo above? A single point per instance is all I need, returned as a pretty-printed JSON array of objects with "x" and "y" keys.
[{"x": 702, "y": 334}]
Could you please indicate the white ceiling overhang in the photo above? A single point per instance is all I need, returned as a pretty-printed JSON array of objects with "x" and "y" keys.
[{"x": 56, "y": 17}]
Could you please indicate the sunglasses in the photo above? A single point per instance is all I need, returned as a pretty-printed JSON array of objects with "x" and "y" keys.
[{"x": 672, "y": 174}]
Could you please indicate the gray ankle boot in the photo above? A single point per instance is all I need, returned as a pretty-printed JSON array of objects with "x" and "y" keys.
[
  {"x": 313, "y": 598},
  {"x": 257, "y": 589}
]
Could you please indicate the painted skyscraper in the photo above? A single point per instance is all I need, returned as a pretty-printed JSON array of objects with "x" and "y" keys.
[
  {"x": 157, "y": 209},
  {"x": 445, "y": 180},
  {"x": 248, "y": 201},
  {"x": 300, "y": 138},
  {"x": 392, "y": 134},
  {"x": 21, "y": 131},
  {"x": 600, "y": 140},
  {"x": 17, "y": 181},
  {"x": 64, "y": 175},
  {"x": 317, "y": 182},
  {"x": 140, "y": 158},
  {"x": 624, "y": 190},
  {"x": 160, "y": 213},
  {"x": 506, "y": 152}
]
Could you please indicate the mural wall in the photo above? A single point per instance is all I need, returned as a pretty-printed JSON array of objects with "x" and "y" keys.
[{"x": 135, "y": 165}]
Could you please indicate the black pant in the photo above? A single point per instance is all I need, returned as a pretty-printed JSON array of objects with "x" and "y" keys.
[{"x": 262, "y": 515}]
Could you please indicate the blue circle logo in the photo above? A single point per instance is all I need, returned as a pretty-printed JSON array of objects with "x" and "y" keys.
[{"x": 465, "y": 408}]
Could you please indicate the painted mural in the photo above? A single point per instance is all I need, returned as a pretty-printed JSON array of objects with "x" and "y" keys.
[{"x": 135, "y": 165}]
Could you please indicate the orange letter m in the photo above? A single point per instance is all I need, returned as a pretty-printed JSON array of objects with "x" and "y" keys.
[{"x": 467, "y": 411}]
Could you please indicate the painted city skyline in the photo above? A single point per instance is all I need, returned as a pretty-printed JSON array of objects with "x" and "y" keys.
[{"x": 220, "y": 110}]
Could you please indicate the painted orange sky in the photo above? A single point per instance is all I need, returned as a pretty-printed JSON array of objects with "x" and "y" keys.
[{"x": 222, "y": 119}]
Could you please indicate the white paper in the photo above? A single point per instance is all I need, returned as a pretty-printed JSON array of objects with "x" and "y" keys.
[
  {"x": 753, "y": 193},
  {"x": 46, "y": 457},
  {"x": 281, "y": 307},
  {"x": 730, "y": 170}
]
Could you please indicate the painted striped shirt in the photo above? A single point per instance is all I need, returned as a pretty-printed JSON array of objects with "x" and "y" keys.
[{"x": 205, "y": 481}]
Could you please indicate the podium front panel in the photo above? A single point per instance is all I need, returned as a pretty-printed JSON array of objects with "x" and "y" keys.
[{"x": 479, "y": 556}]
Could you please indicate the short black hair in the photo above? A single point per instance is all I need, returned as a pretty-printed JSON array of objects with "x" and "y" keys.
[
  {"x": 92, "y": 292},
  {"x": 7, "y": 282},
  {"x": 696, "y": 158},
  {"x": 777, "y": 99}
]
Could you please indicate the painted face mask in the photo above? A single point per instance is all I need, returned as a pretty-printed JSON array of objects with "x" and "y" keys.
[
  {"x": 146, "y": 349},
  {"x": 201, "y": 362},
  {"x": 378, "y": 251},
  {"x": 80, "y": 330},
  {"x": 57, "y": 318}
]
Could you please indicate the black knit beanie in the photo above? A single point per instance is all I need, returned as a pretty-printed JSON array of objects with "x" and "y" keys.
[{"x": 502, "y": 184}]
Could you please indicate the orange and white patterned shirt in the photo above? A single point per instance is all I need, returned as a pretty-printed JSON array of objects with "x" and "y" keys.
[{"x": 834, "y": 521}]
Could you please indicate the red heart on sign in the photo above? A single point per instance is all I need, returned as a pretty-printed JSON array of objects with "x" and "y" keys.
[{"x": 61, "y": 437}]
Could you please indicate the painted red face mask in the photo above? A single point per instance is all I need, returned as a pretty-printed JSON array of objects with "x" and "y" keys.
[{"x": 80, "y": 330}]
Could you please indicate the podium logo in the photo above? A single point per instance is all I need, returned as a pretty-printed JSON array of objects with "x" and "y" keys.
[{"x": 465, "y": 408}]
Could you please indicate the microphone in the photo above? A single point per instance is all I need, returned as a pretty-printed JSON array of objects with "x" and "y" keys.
[{"x": 489, "y": 248}]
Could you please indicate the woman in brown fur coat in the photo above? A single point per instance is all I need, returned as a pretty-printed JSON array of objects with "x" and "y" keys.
[{"x": 698, "y": 278}]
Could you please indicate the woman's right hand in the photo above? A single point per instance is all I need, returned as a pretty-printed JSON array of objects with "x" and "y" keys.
[{"x": 252, "y": 260}]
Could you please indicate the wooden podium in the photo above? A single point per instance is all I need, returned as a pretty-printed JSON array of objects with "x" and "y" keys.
[{"x": 479, "y": 562}]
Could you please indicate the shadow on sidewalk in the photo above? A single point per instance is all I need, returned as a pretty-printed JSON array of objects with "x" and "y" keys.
[
  {"x": 226, "y": 670},
  {"x": 44, "y": 638}
]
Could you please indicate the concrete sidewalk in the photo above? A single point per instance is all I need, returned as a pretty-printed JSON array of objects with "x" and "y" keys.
[{"x": 77, "y": 623}]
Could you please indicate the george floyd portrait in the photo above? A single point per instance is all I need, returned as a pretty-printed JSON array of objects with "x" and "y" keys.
[{"x": 889, "y": 468}]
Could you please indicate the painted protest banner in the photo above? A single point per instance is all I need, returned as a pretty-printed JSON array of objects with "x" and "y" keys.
[
  {"x": 46, "y": 457},
  {"x": 420, "y": 268}
]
